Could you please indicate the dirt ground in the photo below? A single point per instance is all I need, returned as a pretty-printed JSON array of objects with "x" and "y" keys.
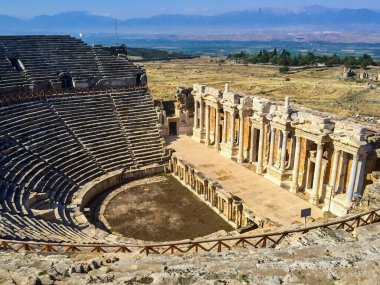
[
  {"x": 318, "y": 88},
  {"x": 162, "y": 211}
]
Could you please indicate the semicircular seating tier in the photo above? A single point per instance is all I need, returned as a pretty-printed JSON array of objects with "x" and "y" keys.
[
  {"x": 45, "y": 62},
  {"x": 52, "y": 147}
]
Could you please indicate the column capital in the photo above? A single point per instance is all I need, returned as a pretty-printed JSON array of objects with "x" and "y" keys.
[
  {"x": 242, "y": 112},
  {"x": 320, "y": 145},
  {"x": 356, "y": 157}
]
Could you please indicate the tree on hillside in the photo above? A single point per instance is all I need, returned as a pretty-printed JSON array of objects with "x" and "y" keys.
[
  {"x": 273, "y": 53},
  {"x": 365, "y": 61},
  {"x": 333, "y": 60},
  {"x": 263, "y": 56},
  {"x": 350, "y": 61},
  {"x": 310, "y": 58},
  {"x": 286, "y": 59}
]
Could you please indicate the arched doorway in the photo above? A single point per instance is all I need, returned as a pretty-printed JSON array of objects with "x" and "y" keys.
[
  {"x": 138, "y": 79},
  {"x": 66, "y": 81}
]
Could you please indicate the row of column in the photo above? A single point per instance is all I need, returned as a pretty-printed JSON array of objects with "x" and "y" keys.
[
  {"x": 203, "y": 113},
  {"x": 357, "y": 174},
  {"x": 281, "y": 148}
]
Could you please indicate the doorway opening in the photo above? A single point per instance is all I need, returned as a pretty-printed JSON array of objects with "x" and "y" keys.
[{"x": 173, "y": 128}]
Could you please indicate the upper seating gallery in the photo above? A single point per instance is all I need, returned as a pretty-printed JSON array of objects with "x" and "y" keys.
[{"x": 61, "y": 62}]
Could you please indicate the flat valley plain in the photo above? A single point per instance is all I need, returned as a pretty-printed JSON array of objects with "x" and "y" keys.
[{"x": 320, "y": 88}]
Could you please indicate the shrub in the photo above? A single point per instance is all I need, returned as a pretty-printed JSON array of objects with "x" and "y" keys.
[{"x": 283, "y": 69}]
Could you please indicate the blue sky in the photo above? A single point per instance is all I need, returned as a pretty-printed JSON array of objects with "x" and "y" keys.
[{"x": 124, "y": 9}]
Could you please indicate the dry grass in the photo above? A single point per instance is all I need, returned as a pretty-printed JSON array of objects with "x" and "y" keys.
[{"x": 316, "y": 88}]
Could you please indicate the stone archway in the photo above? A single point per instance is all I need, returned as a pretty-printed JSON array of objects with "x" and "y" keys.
[{"x": 66, "y": 81}]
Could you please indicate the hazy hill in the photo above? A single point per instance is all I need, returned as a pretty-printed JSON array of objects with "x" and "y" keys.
[{"x": 309, "y": 18}]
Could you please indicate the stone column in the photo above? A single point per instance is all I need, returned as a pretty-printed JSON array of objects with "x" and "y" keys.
[
  {"x": 232, "y": 127},
  {"x": 343, "y": 170},
  {"x": 224, "y": 135},
  {"x": 351, "y": 183},
  {"x": 290, "y": 162},
  {"x": 271, "y": 148},
  {"x": 283, "y": 150},
  {"x": 314, "y": 199},
  {"x": 279, "y": 148},
  {"x": 253, "y": 146},
  {"x": 217, "y": 128},
  {"x": 334, "y": 170},
  {"x": 360, "y": 175},
  {"x": 296, "y": 166},
  {"x": 241, "y": 138},
  {"x": 196, "y": 122},
  {"x": 229, "y": 208},
  {"x": 259, "y": 168},
  {"x": 186, "y": 176},
  {"x": 207, "y": 138},
  {"x": 201, "y": 114}
]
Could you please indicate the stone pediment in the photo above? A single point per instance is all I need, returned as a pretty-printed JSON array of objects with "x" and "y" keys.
[
  {"x": 246, "y": 102},
  {"x": 213, "y": 92},
  {"x": 311, "y": 123},
  {"x": 231, "y": 97},
  {"x": 351, "y": 133},
  {"x": 210, "y": 98},
  {"x": 261, "y": 105}
]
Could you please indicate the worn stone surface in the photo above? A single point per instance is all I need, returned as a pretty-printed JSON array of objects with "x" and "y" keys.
[{"x": 322, "y": 256}]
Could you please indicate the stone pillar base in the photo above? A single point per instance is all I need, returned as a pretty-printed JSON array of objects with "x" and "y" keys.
[
  {"x": 260, "y": 170},
  {"x": 278, "y": 177},
  {"x": 227, "y": 150},
  {"x": 294, "y": 189},
  {"x": 314, "y": 200},
  {"x": 338, "y": 205},
  {"x": 198, "y": 135}
]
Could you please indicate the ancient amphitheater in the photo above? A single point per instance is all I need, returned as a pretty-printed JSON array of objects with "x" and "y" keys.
[{"x": 78, "y": 123}]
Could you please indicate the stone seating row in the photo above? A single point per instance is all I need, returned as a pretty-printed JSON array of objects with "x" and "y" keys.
[
  {"x": 57, "y": 147},
  {"x": 9, "y": 76},
  {"x": 93, "y": 122},
  {"x": 139, "y": 120},
  {"x": 50, "y": 148},
  {"x": 45, "y": 57},
  {"x": 14, "y": 226}
]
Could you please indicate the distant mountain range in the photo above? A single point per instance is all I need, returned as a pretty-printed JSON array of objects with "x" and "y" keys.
[{"x": 312, "y": 18}]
